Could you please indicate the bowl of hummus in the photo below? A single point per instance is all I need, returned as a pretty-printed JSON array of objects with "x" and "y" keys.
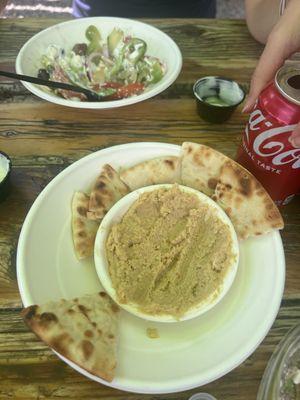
[{"x": 166, "y": 253}]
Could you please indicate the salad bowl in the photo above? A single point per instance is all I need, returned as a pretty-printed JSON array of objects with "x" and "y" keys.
[{"x": 59, "y": 41}]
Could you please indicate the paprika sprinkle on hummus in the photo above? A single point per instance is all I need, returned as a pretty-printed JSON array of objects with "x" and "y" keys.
[{"x": 169, "y": 253}]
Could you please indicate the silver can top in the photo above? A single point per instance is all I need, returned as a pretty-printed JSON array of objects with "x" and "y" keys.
[{"x": 287, "y": 81}]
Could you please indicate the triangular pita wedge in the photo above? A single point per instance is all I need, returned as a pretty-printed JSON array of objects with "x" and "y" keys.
[
  {"x": 200, "y": 167},
  {"x": 152, "y": 172},
  {"x": 83, "y": 230},
  {"x": 107, "y": 190},
  {"x": 83, "y": 330},
  {"x": 93, "y": 216},
  {"x": 249, "y": 206}
]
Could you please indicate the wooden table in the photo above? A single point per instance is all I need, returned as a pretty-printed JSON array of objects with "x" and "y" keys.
[{"x": 42, "y": 139}]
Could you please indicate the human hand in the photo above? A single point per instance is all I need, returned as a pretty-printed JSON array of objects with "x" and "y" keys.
[
  {"x": 295, "y": 137},
  {"x": 283, "y": 41}
]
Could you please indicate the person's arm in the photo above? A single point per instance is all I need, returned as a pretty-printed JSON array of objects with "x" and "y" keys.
[
  {"x": 261, "y": 17},
  {"x": 282, "y": 41}
]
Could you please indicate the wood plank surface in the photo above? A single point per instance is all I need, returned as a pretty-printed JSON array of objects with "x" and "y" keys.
[{"x": 43, "y": 139}]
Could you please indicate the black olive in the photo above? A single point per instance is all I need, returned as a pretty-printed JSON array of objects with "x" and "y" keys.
[
  {"x": 43, "y": 74},
  {"x": 80, "y": 49}
]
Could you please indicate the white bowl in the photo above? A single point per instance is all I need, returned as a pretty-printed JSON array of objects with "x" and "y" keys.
[
  {"x": 115, "y": 215},
  {"x": 68, "y": 33}
]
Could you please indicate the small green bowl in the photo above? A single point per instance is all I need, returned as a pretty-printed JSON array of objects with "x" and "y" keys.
[
  {"x": 217, "y": 98},
  {"x": 5, "y": 168}
]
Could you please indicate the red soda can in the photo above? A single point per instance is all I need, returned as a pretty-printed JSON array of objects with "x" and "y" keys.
[{"x": 267, "y": 150}]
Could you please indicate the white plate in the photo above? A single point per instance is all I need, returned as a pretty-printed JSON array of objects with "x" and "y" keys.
[
  {"x": 67, "y": 34},
  {"x": 187, "y": 354}
]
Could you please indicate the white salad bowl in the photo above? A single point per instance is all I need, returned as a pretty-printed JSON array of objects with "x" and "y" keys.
[
  {"x": 115, "y": 215},
  {"x": 67, "y": 34}
]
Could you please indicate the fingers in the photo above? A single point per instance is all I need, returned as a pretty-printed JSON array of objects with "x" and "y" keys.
[
  {"x": 294, "y": 139},
  {"x": 270, "y": 61}
]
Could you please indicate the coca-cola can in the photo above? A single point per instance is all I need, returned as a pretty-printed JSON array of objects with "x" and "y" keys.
[{"x": 267, "y": 149}]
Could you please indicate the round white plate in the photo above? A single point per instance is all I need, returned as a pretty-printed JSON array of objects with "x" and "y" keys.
[
  {"x": 186, "y": 354},
  {"x": 66, "y": 34}
]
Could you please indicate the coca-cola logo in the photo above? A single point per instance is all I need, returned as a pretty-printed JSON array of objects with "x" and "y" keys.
[{"x": 267, "y": 143}]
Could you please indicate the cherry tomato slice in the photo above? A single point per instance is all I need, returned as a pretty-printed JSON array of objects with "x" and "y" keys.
[{"x": 127, "y": 91}]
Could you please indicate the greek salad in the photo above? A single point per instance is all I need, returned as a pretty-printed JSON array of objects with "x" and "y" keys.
[{"x": 115, "y": 68}]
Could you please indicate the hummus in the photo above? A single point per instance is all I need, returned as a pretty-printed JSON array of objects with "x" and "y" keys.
[{"x": 169, "y": 252}]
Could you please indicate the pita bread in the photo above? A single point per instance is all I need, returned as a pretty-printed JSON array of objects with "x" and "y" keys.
[
  {"x": 83, "y": 230},
  {"x": 152, "y": 172},
  {"x": 249, "y": 206},
  {"x": 92, "y": 216},
  {"x": 200, "y": 167},
  {"x": 107, "y": 190},
  {"x": 83, "y": 330}
]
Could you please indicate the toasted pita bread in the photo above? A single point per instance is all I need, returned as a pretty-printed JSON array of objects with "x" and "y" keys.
[
  {"x": 107, "y": 190},
  {"x": 92, "y": 216},
  {"x": 83, "y": 230},
  {"x": 200, "y": 167},
  {"x": 83, "y": 330},
  {"x": 249, "y": 206},
  {"x": 152, "y": 172}
]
